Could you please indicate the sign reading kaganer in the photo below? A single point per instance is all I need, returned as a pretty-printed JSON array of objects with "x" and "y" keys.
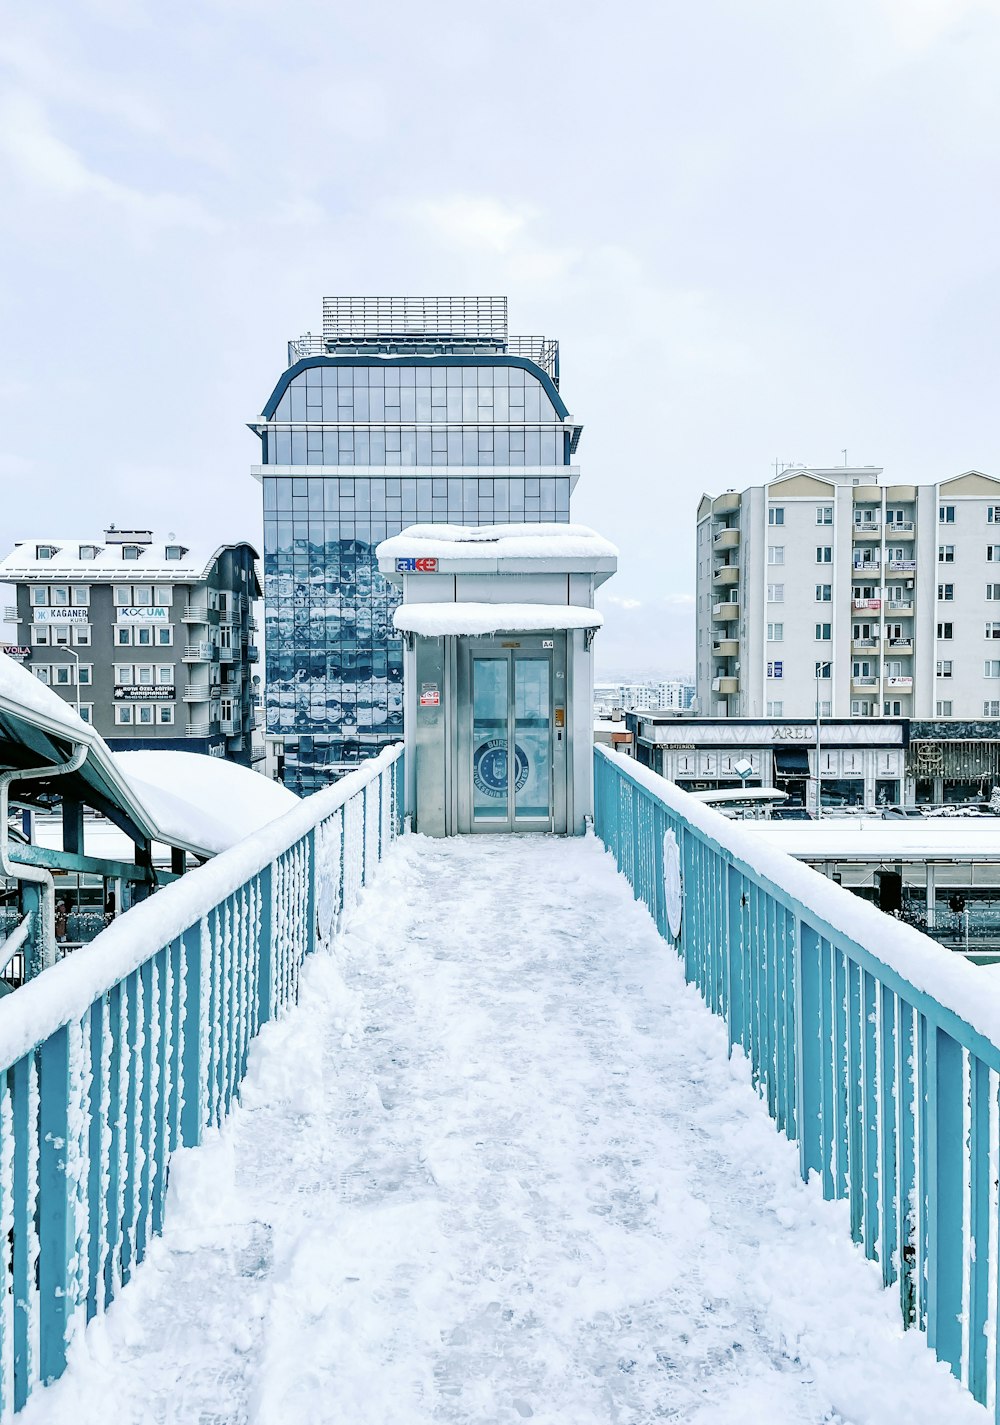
[{"x": 416, "y": 566}]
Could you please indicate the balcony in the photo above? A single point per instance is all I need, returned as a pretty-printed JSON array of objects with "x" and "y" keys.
[
  {"x": 861, "y": 604},
  {"x": 226, "y": 655},
  {"x": 866, "y": 566},
  {"x": 870, "y": 529},
  {"x": 198, "y": 729},
  {"x": 864, "y": 680},
  {"x": 864, "y": 642},
  {"x": 899, "y": 645},
  {"x": 726, "y": 539},
  {"x": 726, "y": 686},
  {"x": 726, "y": 648},
  {"x": 900, "y": 684},
  {"x": 902, "y": 566},
  {"x": 724, "y": 612},
  {"x": 726, "y": 574},
  {"x": 197, "y": 693},
  {"x": 900, "y": 606},
  {"x": 253, "y": 653},
  {"x": 725, "y": 504},
  {"x": 199, "y": 653},
  {"x": 904, "y": 528}
]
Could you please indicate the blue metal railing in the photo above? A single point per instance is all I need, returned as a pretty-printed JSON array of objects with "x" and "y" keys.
[
  {"x": 132, "y": 1047},
  {"x": 870, "y": 1045}
]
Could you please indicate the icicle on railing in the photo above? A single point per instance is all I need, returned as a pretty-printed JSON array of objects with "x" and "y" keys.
[{"x": 110, "y": 1061}]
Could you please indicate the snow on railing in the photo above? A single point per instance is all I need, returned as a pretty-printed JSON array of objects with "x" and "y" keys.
[
  {"x": 872, "y": 1046},
  {"x": 129, "y": 1049}
]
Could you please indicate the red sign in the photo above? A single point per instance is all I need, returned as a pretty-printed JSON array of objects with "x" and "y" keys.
[
  {"x": 430, "y": 699},
  {"x": 14, "y": 650},
  {"x": 416, "y": 566}
]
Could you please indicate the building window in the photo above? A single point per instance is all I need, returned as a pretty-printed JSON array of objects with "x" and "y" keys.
[
  {"x": 131, "y": 551},
  {"x": 946, "y": 514},
  {"x": 81, "y": 635},
  {"x": 775, "y": 593},
  {"x": 945, "y": 630},
  {"x": 41, "y": 672},
  {"x": 775, "y": 554},
  {"x": 123, "y": 595},
  {"x": 40, "y": 635},
  {"x": 123, "y": 713},
  {"x": 59, "y": 596},
  {"x": 991, "y": 668},
  {"x": 123, "y": 673},
  {"x": 993, "y": 630},
  {"x": 88, "y": 551},
  {"x": 163, "y": 596},
  {"x": 165, "y": 634},
  {"x": 123, "y": 636},
  {"x": 46, "y": 551},
  {"x": 993, "y": 514},
  {"x": 776, "y": 515},
  {"x": 892, "y": 709},
  {"x": 39, "y": 596},
  {"x": 993, "y": 553},
  {"x": 944, "y": 666},
  {"x": 991, "y": 707},
  {"x": 824, "y": 670},
  {"x": 946, "y": 554},
  {"x": 776, "y": 709},
  {"x": 165, "y": 673},
  {"x": 166, "y": 712},
  {"x": 142, "y": 596},
  {"x": 946, "y": 592},
  {"x": 86, "y": 711},
  {"x": 173, "y": 551},
  {"x": 143, "y": 636},
  {"x": 824, "y": 553},
  {"x": 81, "y": 596},
  {"x": 942, "y": 708},
  {"x": 824, "y": 593},
  {"x": 64, "y": 675},
  {"x": 992, "y": 593},
  {"x": 823, "y": 632},
  {"x": 775, "y": 670},
  {"x": 824, "y": 514},
  {"x": 775, "y": 632}
]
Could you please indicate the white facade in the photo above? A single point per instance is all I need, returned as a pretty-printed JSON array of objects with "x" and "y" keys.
[
  {"x": 652, "y": 695},
  {"x": 829, "y": 591}
]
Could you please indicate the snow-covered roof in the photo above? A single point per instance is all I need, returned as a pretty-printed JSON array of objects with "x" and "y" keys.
[
  {"x": 204, "y": 799},
  {"x": 874, "y": 838},
  {"x": 438, "y": 620},
  {"x": 108, "y": 564},
  {"x": 490, "y": 543},
  {"x": 188, "y": 799}
]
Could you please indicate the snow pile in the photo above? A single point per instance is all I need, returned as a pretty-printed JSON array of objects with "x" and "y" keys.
[
  {"x": 21, "y": 689},
  {"x": 497, "y": 541},
  {"x": 201, "y": 799},
  {"x": 438, "y": 620},
  {"x": 498, "y": 1167}
]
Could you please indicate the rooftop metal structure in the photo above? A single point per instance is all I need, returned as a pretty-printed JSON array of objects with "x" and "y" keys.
[{"x": 422, "y": 325}]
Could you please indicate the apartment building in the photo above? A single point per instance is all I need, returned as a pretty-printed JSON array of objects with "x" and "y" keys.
[
  {"x": 151, "y": 641},
  {"x": 831, "y": 592}
]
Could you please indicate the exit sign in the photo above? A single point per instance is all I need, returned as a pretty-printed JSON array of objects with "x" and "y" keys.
[{"x": 416, "y": 566}]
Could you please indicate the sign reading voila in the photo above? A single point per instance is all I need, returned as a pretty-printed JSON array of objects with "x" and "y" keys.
[{"x": 144, "y": 692}]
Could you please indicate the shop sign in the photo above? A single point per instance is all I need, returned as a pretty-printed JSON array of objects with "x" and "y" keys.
[
  {"x": 47, "y": 615},
  {"x": 145, "y": 692},
  {"x": 15, "y": 650},
  {"x": 416, "y": 566},
  {"x": 143, "y": 615}
]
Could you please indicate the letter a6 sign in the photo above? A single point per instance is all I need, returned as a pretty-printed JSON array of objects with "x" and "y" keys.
[{"x": 416, "y": 566}]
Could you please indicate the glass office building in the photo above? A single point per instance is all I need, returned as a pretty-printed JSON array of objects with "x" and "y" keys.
[{"x": 404, "y": 411}]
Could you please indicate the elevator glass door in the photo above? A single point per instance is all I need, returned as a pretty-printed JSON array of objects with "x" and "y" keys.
[{"x": 510, "y": 752}]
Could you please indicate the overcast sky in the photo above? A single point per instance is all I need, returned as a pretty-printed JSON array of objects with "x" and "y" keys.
[{"x": 760, "y": 231}]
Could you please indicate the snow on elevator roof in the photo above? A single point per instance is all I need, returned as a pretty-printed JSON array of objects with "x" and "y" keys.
[
  {"x": 497, "y": 541},
  {"x": 438, "y": 620}
]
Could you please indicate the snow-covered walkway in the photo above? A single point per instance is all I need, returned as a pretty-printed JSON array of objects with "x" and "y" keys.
[{"x": 497, "y": 1167}]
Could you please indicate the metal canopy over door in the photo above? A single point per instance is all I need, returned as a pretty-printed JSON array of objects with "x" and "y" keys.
[{"x": 511, "y": 745}]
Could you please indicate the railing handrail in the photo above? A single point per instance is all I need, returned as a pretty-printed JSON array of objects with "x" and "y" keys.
[
  {"x": 65, "y": 991},
  {"x": 946, "y": 986}
]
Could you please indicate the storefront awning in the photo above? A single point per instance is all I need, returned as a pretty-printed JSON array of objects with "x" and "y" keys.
[{"x": 791, "y": 761}]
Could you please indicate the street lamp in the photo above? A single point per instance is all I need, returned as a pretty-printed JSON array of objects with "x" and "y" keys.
[
  {"x": 819, "y": 769},
  {"x": 73, "y": 654}
]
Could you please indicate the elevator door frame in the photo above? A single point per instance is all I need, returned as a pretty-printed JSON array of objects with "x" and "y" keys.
[{"x": 552, "y": 648}]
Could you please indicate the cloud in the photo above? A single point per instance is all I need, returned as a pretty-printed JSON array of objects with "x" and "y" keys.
[
  {"x": 622, "y": 602},
  {"x": 47, "y": 162},
  {"x": 471, "y": 222}
]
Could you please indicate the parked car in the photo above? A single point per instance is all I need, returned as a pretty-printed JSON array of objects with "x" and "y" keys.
[
  {"x": 890, "y": 813},
  {"x": 790, "y": 814}
]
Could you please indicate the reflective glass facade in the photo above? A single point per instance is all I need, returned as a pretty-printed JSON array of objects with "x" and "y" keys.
[{"x": 355, "y": 448}]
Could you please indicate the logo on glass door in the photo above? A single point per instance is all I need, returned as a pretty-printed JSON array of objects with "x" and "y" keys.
[{"x": 489, "y": 767}]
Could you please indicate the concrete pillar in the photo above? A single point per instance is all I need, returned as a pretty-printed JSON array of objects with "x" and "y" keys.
[{"x": 929, "y": 870}]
